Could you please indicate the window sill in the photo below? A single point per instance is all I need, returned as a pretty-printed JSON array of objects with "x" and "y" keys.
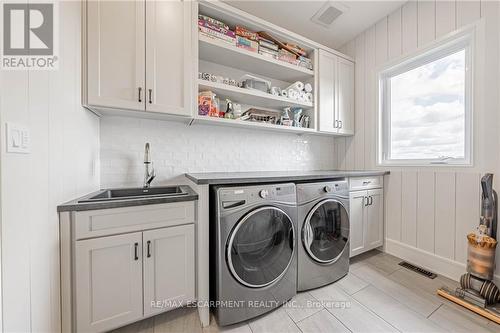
[{"x": 428, "y": 164}]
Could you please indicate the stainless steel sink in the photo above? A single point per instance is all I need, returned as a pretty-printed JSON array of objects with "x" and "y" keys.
[{"x": 136, "y": 193}]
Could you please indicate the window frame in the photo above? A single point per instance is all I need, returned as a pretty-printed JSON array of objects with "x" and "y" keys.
[{"x": 460, "y": 40}]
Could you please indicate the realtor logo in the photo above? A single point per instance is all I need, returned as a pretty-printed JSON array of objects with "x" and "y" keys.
[{"x": 28, "y": 38}]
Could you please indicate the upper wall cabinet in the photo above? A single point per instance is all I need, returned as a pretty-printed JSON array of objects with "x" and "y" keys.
[
  {"x": 115, "y": 54},
  {"x": 139, "y": 55},
  {"x": 169, "y": 57},
  {"x": 336, "y": 94}
]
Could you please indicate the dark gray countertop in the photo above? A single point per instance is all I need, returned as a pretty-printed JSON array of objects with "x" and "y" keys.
[
  {"x": 75, "y": 205},
  {"x": 222, "y": 178}
]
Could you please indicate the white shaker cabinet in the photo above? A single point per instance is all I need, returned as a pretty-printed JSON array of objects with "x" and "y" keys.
[
  {"x": 357, "y": 222},
  {"x": 168, "y": 57},
  {"x": 335, "y": 94},
  {"x": 326, "y": 92},
  {"x": 115, "y": 54},
  {"x": 139, "y": 55},
  {"x": 375, "y": 219},
  {"x": 168, "y": 268},
  {"x": 366, "y": 216},
  {"x": 120, "y": 265},
  {"x": 345, "y": 96},
  {"x": 108, "y": 282}
]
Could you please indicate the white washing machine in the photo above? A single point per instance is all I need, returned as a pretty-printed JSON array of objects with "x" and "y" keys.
[{"x": 323, "y": 217}]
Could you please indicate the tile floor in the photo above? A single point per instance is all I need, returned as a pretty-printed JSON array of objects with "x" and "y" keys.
[{"x": 382, "y": 297}]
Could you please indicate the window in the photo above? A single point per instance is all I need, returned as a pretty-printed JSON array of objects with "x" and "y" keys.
[{"x": 425, "y": 104}]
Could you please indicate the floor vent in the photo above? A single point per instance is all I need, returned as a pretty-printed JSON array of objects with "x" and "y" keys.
[{"x": 418, "y": 270}]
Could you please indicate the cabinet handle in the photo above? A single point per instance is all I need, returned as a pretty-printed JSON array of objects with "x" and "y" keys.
[
  {"x": 150, "y": 96},
  {"x": 148, "y": 245},
  {"x": 140, "y": 94},
  {"x": 371, "y": 200},
  {"x": 367, "y": 201},
  {"x": 340, "y": 123},
  {"x": 136, "y": 249},
  {"x": 336, "y": 124}
]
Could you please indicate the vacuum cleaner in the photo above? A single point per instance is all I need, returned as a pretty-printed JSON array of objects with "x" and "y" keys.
[{"x": 477, "y": 292}]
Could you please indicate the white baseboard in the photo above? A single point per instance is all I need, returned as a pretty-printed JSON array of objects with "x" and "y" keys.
[{"x": 440, "y": 265}]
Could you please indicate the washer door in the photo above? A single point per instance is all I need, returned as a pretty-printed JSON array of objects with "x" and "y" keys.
[
  {"x": 260, "y": 247},
  {"x": 326, "y": 231}
]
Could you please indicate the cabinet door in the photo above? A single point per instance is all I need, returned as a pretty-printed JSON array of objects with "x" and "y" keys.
[
  {"x": 357, "y": 202},
  {"x": 169, "y": 63},
  {"x": 168, "y": 268},
  {"x": 345, "y": 96},
  {"x": 115, "y": 54},
  {"x": 108, "y": 282},
  {"x": 375, "y": 219},
  {"x": 326, "y": 92}
]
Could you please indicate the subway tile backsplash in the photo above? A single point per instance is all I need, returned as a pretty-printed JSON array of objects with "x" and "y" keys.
[{"x": 178, "y": 148}]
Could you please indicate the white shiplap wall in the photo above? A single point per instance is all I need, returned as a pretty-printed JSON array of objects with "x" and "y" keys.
[
  {"x": 428, "y": 211},
  {"x": 177, "y": 148},
  {"x": 64, "y": 144}
]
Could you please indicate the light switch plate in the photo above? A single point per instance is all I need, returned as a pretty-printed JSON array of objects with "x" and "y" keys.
[{"x": 18, "y": 138}]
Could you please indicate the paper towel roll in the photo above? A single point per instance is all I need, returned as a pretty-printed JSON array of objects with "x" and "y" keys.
[
  {"x": 302, "y": 96},
  {"x": 309, "y": 97},
  {"x": 299, "y": 86},
  {"x": 284, "y": 93},
  {"x": 293, "y": 94},
  {"x": 308, "y": 88},
  {"x": 275, "y": 91}
]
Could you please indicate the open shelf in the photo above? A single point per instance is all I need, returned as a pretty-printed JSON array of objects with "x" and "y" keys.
[
  {"x": 223, "y": 53},
  {"x": 252, "y": 124},
  {"x": 251, "y": 97}
]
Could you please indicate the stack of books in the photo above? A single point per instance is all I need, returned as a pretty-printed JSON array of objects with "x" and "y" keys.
[
  {"x": 212, "y": 28},
  {"x": 268, "y": 48},
  {"x": 296, "y": 49},
  {"x": 302, "y": 58},
  {"x": 261, "y": 42},
  {"x": 287, "y": 56},
  {"x": 246, "y": 39}
]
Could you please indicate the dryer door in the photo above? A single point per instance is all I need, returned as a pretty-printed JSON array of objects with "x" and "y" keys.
[
  {"x": 325, "y": 233},
  {"x": 260, "y": 247}
]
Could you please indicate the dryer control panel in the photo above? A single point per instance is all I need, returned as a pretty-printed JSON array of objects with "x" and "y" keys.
[{"x": 310, "y": 191}]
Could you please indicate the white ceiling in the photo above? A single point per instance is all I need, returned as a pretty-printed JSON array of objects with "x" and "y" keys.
[{"x": 296, "y": 16}]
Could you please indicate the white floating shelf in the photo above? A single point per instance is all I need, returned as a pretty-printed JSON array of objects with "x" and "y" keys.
[
  {"x": 252, "y": 124},
  {"x": 223, "y": 53},
  {"x": 250, "y": 96}
]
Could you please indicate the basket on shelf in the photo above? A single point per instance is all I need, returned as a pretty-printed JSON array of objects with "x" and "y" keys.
[{"x": 262, "y": 116}]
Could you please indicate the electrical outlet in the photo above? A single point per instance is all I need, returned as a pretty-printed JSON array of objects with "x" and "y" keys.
[{"x": 18, "y": 139}]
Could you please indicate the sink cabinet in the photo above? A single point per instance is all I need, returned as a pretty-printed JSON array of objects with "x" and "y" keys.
[
  {"x": 121, "y": 265},
  {"x": 108, "y": 281},
  {"x": 168, "y": 268}
]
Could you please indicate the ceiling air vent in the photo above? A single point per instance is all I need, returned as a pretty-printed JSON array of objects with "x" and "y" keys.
[{"x": 328, "y": 13}]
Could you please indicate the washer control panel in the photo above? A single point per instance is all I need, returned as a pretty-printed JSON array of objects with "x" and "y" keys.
[{"x": 232, "y": 197}]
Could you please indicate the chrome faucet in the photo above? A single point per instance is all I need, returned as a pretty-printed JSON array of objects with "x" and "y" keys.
[{"x": 149, "y": 171}]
